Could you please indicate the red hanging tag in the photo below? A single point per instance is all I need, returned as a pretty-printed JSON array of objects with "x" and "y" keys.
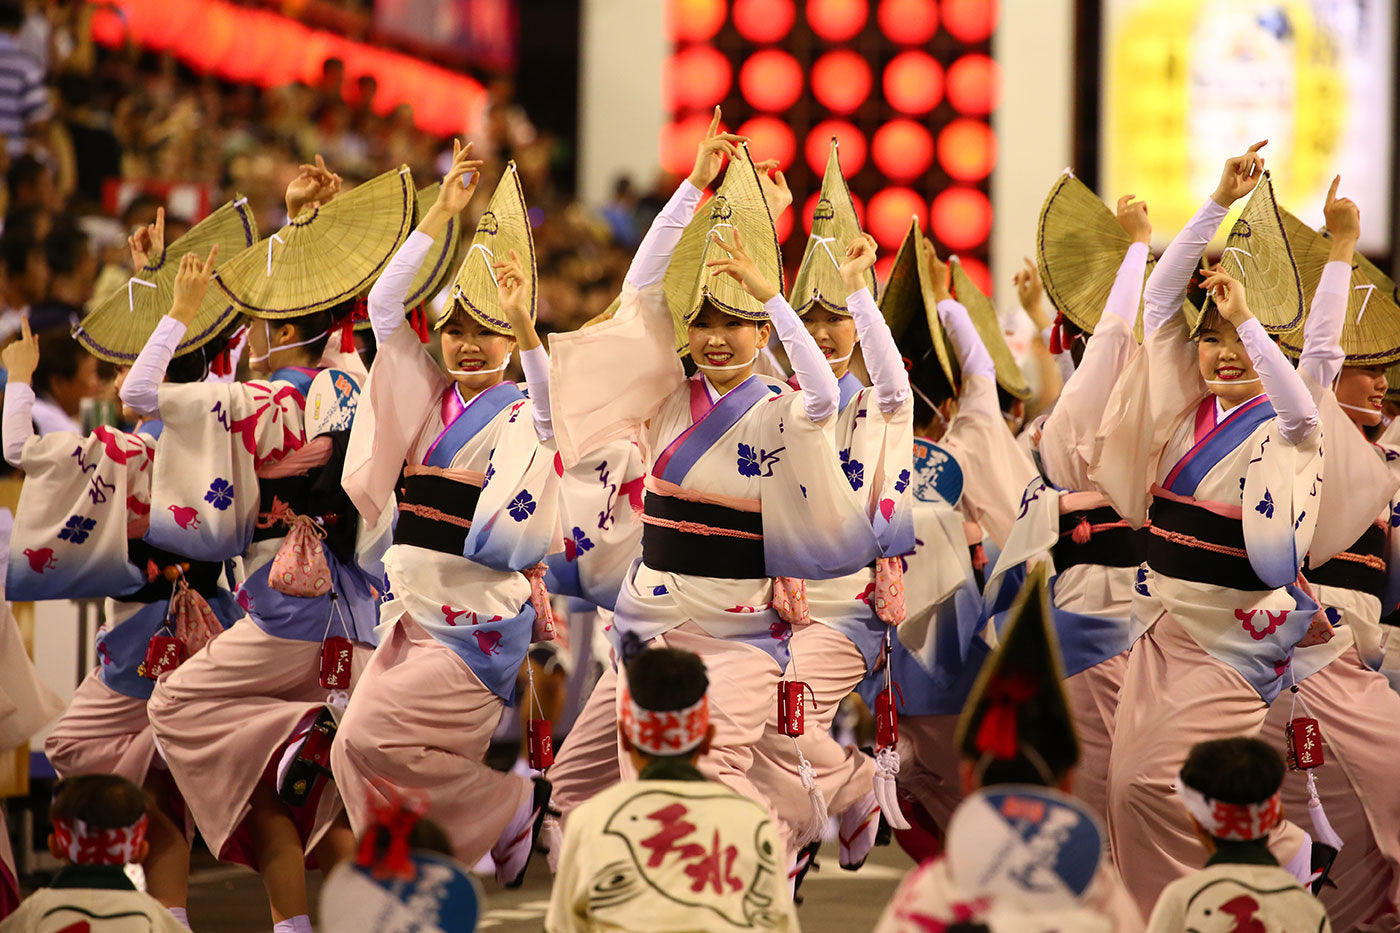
[
  {"x": 1304, "y": 744},
  {"x": 541, "y": 743},
  {"x": 337, "y": 655},
  {"x": 887, "y": 717},
  {"x": 418, "y": 320},
  {"x": 790, "y": 713},
  {"x": 163, "y": 653}
]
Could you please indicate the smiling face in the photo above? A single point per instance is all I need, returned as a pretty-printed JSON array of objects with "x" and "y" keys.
[
  {"x": 475, "y": 351},
  {"x": 835, "y": 335},
  {"x": 719, "y": 339},
  {"x": 1361, "y": 392},
  {"x": 1225, "y": 365}
]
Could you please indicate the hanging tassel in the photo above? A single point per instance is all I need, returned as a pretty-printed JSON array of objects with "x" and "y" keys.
[
  {"x": 347, "y": 334},
  {"x": 1322, "y": 828},
  {"x": 818, "y": 817},
  {"x": 222, "y": 364},
  {"x": 1057, "y": 335},
  {"x": 886, "y": 790},
  {"x": 1082, "y": 532},
  {"x": 419, "y": 322}
]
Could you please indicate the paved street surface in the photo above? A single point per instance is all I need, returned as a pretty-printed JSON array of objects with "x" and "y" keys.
[{"x": 228, "y": 899}]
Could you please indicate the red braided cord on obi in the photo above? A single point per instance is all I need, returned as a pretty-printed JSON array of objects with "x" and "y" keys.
[
  {"x": 695, "y": 528},
  {"x": 1176, "y": 537},
  {"x": 437, "y": 515}
]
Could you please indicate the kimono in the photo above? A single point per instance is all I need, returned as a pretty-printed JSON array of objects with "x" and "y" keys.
[
  {"x": 83, "y": 514},
  {"x": 1094, "y": 552},
  {"x": 749, "y": 471},
  {"x": 475, "y": 514},
  {"x": 1256, "y": 897},
  {"x": 717, "y": 867},
  {"x": 1217, "y": 614},
  {"x": 236, "y": 465}
]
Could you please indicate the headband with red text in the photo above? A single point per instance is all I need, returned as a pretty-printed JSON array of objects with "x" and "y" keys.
[
  {"x": 91, "y": 845},
  {"x": 1239, "y": 822},
  {"x": 665, "y": 732}
]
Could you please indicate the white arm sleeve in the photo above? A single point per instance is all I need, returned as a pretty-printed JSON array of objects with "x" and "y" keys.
[
  {"x": 877, "y": 346},
  {"x": 1293, "y": 403},
  {"x": 536, "y": 365},
  {"x": 973, "y": 358},
  {"x": 18, "y": 420},
  {"x": 386, "y": 298},
  {"x": 1126, "y": 293},
  {"x": 820, "y": 392},
  {"x": 1166, "y": 287},
  {"x": 1322, "y": 356},
  {"x": 649, "y": 265},
  {"x": 142, "y": 387}
]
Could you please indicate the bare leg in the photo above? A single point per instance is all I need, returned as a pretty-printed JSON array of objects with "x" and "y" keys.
[
  {"x": 277, "y": 847},
  {"x": 167, "y": 866},
  {"x": 336, "y": 846}
]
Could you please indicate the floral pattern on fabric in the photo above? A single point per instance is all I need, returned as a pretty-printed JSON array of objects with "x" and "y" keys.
[
  {"x": 853, "y": 468},
  {"x": 522, "y": 506},
  {"x": 220, "y": 494},
  {"x": 77, "y": 529}
]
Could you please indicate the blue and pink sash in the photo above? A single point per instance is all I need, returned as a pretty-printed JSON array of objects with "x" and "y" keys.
[
  {"x": 464, "y": 419},
  {"x": 709, "y": 422},
  {"x": 1214, "y": 442}
]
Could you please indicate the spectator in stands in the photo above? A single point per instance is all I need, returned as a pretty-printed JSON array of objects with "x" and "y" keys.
[
  {"x": 621, "y": 212},
  {"x": 63, "y": 375},
  {"x": 24, "y": 100},
  {"x": 26, "y": 273},
  {"x": 72, "y": 272},
  {"x": 99, "y": 826},
  {"x": 1231, "y": 789},
  {"x": 31, "y": 183},
  {"x": 97, "y": 152}
]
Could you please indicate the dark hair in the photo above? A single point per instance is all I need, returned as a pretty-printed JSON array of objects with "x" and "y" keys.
[
  {"x": 11, "y": 16},
  {"x": 65, "y": 248},
  {"x": 102, "y": 801},
  {"x": 59, "y": 357},
  {"x": 1239, "y": 770},
  {"x": 17, "y": 247},
  {"x": 25, "y": 170},
  {"x": 664, "y": 679},
  {"x": 318, "y": 322},
  {"x": 194, "y": 366}
]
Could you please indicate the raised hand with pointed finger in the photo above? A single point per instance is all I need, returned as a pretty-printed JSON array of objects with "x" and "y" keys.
[
  {"x": 1132, "y": 217},
  {"x": 21, "y": 357},
  {"x": 709, "y": 158},
  {"x": 314, "y": 186},
  {"x": 191, "y": 282},
  {"x": 147, "y": 242},
  {"x": 739, "y": 265},
  {"x": 860, "y": 257},
  {"x": 1240, "y": 175}
]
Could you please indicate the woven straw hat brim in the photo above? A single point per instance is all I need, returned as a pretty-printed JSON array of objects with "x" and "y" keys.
[
  {"x": 118, "y": 328},
  {"x": 1259, "y": 253},
  {"x": 737, "y": 205},
  {"x": 1371, "y": 324},
  {"x": 984, "y": 318},
  {"x": 911, "y": 311},
  {"x": 326, "y": 255},
  {"x": 834, "y": 226},
  {"x": 441, "y": 262},
  {"x": 1079, "y": 248},
  {"x": 503, "y": 227}
]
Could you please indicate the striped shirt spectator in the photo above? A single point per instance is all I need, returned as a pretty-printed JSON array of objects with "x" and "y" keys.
[{"x": 24, "y": 100}]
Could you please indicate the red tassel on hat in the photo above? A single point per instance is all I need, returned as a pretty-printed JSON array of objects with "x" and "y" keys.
[
  {"x": 1057, "y": 335},
  {"x": 419, "y": 321},
  {"x": 222, "y": 364},
  {"x": 998, "y": 732},
  {"x": 347, "y": 335}
]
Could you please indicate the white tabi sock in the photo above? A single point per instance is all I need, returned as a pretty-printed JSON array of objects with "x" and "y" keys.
[
  {"x": 179, "y": 914},
  {"x": 301, "y": 923}
]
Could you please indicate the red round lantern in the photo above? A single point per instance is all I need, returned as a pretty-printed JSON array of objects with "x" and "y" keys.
[
  {"x": 697, "y": 78},
  {"x": 764, "y": 21},
  {"x": 902, "y": 150},
  {"x": 913, "y": 82},
  {"x": 809, "y": 210},
  {"x": 679, "y": 140},
  {"x": 908, "y": 22},
  {"x": 850, "y": 152},
  {"x": 770, "y": 138},
  {"x": 970, "y": 20},
  {"x": 977, "y": 270},
  {"x": 967, "y": 149},
  {"x": 883, "y": 265},
  {"x": 695, "y": 20},
  {"x": 841, "y": 80},
  {"x": 771, "y": 80},
  {"x": 889, "y": 214},
  {"x": 961, "y": 218},
  {"x": 837, "y": 20},
  {"x": 974, "y": 85}
]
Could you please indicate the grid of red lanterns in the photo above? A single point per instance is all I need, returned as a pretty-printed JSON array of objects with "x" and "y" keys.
[{"x": 907, "y": 87}]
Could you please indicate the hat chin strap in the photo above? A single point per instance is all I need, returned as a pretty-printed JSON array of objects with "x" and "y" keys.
[
  {"x": 480, "y": 372},
  {"x": 1230, "y": 382},
  {"x": 1365, "y": 410},
  {"x": 841, "y": 359},
  {"x": 267, "y": 329},
  {"x": 732, "y": 367}
]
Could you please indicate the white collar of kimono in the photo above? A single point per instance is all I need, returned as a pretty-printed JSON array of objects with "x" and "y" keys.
[{"x": 1221, "y": 411}]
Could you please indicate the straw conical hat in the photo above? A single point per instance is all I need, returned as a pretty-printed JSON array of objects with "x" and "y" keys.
[
  {"x": 1079, "y": 248},
  {"x": 1392, "y": 383},
  {"x": 325, "y": 255},
  {"x": 911, "y": 311},
  {"x": 737, "y": 205},
  {"x": 984, "y": 317},
  {"x": 1371, "y": 323},
  {"x": 505, "y": 226},
  {"x": 1259, "y": 253},
  {"x": 834, "y": 226},
  {"x": 117, "y": 329},
  {"x": 441, "y": 263},
  {"x": 1023, "y": 677}
]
